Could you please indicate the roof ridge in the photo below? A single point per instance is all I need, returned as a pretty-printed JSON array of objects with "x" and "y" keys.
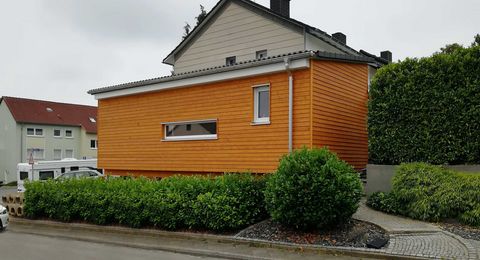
[{"x": 48, "y": 101}]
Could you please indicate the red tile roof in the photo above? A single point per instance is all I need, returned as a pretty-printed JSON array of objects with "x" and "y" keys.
[{"x": 52, "y": 113}]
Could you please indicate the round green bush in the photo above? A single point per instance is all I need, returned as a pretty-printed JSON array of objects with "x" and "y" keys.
[{"x": 313, "y": 189}]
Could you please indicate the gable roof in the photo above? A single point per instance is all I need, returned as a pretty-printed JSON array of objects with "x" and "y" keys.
[
  {"x": 51, "y": 113},
  {"x": 266, "y": 12},
  {"x": 318, "y": 55}
]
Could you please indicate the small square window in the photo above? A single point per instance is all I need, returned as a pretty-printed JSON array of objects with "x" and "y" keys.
[
  {"x": 57, "y": 133},
  {"x": 57, "y": 154},
  {"x": 230, "y": 61},
  {"x": 261, "y": 54},
  {"x": 30, "y": 131},
  {"x": 38, "y": 132},
  {"x": 69, "y": 153},
  {"x": 93, "y": 144},
  {"x": 68, "y": 133},
  {"x": 23, "y": 176}
]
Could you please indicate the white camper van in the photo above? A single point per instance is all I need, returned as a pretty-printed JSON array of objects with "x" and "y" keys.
[{"x": 44, "y": 170}]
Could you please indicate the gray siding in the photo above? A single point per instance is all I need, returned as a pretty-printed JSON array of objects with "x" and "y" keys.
[
  {"x": 238, "y": 32},
  {"x": 10, "y": 143}
]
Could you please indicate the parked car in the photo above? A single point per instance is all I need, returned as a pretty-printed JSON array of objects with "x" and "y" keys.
[
  {"x": 80, "y": 174},
  {"x": 3, "y": 218}
]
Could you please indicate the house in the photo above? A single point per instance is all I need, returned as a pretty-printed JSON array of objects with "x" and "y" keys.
[
  {"x": 44, "y": 130},
  {"x": 249, "y": 85}
]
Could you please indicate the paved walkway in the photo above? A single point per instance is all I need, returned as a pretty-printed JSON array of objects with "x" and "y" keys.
[{"x": 413, "y": 238}]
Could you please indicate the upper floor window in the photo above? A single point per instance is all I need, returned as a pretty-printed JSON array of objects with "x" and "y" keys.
[
  {"x": 261, "y": 96},
  {"x": 93, "y": 144},
  {"x": 34, "y": 132},
  {"x": 191, "y": 130},
  {"x": 230, "y": 61},
  {"x": 57, "y": 133},
  {"x": 69, "y": 133},
  {"x": 261, "y": 54}
]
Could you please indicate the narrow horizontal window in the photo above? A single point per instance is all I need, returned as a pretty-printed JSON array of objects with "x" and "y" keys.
[
  {"x": 192, "y": 130},
  {"x": 34, "y": 132}
]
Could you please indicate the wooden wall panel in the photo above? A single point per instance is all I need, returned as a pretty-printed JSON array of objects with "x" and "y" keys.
[
  {"x": 339, "y": 111},
  {"x": 130, "y": 131}
]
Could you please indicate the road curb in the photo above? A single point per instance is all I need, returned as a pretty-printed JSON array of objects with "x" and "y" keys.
[{"x": 347, "y": 251}]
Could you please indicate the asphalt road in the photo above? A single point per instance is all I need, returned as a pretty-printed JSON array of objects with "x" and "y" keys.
[{"x": 18, "y": 246}]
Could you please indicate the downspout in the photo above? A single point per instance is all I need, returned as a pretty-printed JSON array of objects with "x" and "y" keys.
[{"x": 290, "y": 104}]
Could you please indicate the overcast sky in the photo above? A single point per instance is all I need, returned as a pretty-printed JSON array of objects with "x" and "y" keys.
[{"x": 59, "y": 49}]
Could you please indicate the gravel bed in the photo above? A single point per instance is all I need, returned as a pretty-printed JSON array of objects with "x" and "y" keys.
[
  {"x": 461, "y": 230},
  {"x": 353, "y": 234}
]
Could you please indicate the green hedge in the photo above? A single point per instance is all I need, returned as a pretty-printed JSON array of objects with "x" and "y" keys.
[
  {"x": 426, "y": 192},
  {"x": 222, "y": 203},
  {"x": 313, "y": 189},
  {"x": 427, "y": 110}
]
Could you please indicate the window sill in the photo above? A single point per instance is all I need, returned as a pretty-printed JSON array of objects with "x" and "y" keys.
[
  {"x": 191, "y": 138},
  {"x": 37, "y": 136},
  {"x": 260, "y": 123},
  {"x": 93, "y": 148}
]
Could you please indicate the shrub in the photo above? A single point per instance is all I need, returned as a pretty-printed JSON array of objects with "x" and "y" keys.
[
  {"x": 384, "y": 202},
  {"x": 222, "y": 203},
  {"x": 427, "y": 110},
  {"x": 433, "y": 193},
  {"x": 312, "y": 189}
]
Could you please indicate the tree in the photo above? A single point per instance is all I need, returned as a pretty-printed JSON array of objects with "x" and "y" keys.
[
  {"x": 202, "y": 15},
  {"x": 476, "y": 42},
  {"x": 451, "y": 48},
  {"x": 187, "y": 28}
]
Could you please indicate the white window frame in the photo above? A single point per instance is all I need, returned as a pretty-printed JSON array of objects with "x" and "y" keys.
[
  {"x": 57, "y": 136},
  {"x": 189, "y": 137},
  {"x": 35, "y": 132},
  {"x": 66, "y": 133},
  {"x": 256, "y": 90},
  {"x": 73, "y": 153},
  {"x": 61, "y": 154},
  {"x": 33, "y": 155},
  {"x": 96, "y": 144}
]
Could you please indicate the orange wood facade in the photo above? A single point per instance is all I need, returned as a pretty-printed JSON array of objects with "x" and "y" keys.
[{"x": 130, "y": 128}]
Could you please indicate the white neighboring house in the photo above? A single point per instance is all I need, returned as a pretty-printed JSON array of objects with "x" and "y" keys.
[{"x": 44, "y": 131}]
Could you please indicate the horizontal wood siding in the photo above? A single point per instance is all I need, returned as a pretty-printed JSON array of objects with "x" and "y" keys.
[
  {"x": 339, "y": 112},
  {"x": 130, "y": 131},
  {"x": 237, "y": 32}
]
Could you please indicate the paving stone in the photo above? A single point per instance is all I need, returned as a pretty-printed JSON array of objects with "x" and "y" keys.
[{"x": 413, "y": 238}]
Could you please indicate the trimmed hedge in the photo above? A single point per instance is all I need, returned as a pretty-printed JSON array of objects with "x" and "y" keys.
[
  {"x": 427, "y": 110},
  {"x": 227, "y": 202},
  {"x": 313, "y": 189},
  {"x": 426, "y": 192}
]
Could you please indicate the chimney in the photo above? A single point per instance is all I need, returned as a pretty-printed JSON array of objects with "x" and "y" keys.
[
  {"x": 281, "y": 7},
  {"x": 386, "y": 55},
  {"x": 340, "y": 37}
]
